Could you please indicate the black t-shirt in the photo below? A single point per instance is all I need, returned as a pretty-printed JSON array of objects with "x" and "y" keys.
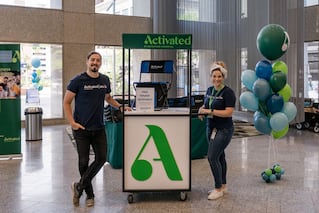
[
  {"x": 219, "y": 100},
  {"x": 89, "y": 99}
]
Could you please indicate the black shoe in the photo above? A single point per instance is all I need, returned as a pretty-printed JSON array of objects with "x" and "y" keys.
[{"x": 76, "y": 193}]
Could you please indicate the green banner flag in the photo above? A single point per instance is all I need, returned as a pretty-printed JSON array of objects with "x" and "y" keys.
[
  {"x": 157, "y": 41},
  {"x": 10, "y": 125}
]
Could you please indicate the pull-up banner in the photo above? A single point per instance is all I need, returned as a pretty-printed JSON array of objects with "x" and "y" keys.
[
  {"x": 10, "y": 116},
  {"x": 157, "y": 41}
]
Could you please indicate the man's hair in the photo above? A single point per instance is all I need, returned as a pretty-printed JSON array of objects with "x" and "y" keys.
[{"x": 92, "y": 53}]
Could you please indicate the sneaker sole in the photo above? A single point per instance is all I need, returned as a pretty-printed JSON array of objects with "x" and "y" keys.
[
  {"x": 76, "y": 200},
  {"x": 216, "y": 197},
  {"x": 90, "y": 203},
  {"x": 223, "y": 190}
]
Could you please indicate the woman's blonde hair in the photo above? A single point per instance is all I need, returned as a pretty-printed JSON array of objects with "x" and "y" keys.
[{"x": 219, "y": 65}]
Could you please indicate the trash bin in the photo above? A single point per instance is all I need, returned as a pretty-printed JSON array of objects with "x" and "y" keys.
[{"x": 33, "y": 123}]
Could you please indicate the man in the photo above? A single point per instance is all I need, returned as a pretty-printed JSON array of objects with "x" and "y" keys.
[{"x": 89, "y": 90}]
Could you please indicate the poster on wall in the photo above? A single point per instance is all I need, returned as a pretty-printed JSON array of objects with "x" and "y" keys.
[{"x": 10, "y": 125}]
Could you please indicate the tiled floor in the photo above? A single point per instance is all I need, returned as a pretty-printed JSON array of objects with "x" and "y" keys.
[{"x": 40, "y": 182}]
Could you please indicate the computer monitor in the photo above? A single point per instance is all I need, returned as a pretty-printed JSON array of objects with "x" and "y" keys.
[{"x": 161, "y": 91}]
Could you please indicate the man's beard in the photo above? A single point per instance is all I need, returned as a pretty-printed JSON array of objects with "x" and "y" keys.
[{"x": 94, "y": 69}]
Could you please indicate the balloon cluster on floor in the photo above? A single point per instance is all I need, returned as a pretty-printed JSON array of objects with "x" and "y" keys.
[
  {"x": 272, "y": 174},
  {"x": 267, "y": 91},
  {"x": 36, "y": 74}
]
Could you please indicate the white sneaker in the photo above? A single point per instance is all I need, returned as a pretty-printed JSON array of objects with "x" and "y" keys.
[
  {"x": 224, "y": 190},
  {"x": 215, "y": 195}
]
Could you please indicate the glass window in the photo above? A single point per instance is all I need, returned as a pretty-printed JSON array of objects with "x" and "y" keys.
[
  {"x": 188, "y": 10},
  {"x": 308, "y": 3},
  {"x": 201, "y": 62},
  {"x": 311, "y": 78},
  {"x": 50, "y": 4},
  {"x": 112, "y": 66},
  {"x": 41, "y": 69},
  {"x": 124, "y": 7},
  {"x": 195, "y": 10},
  {"x": 244, "y": 9}
]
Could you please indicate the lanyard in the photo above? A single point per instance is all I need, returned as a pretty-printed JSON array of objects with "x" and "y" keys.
[{"x": 212, "y": 98}]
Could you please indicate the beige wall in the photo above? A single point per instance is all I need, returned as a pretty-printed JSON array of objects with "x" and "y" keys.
[{"x": 76, "y": 27}]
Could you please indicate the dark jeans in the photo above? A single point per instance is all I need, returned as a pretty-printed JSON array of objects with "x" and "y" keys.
[
  {"x": 216, "y": 155},
  {"x": 84, "y": 139}
]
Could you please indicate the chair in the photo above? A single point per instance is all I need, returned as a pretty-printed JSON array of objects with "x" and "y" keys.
[{"x": 161, "y": 88}]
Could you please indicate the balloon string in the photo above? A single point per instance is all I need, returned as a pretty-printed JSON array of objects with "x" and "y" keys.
[
  {"x": 275, "y": 150},
  {"x": 272, "y": 147},
  {"x": 269, "y": 148}
]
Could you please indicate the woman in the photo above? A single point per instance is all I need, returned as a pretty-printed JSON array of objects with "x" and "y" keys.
[{"x": 218, "y": 106}]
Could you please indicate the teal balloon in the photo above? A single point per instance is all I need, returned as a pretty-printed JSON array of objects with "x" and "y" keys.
[
  {"x": 34, "y": 75},
  {"x": 261, "y": 89},
  {"x": 248, "y": 78},
  {"x": 272, "y": 178},
  {"x": 275, "y": 103},
  {"x": 290, "y": 110},
  {"x": 37, "y": 79},
  {"x": 261, "y": 123},
  {"x": 278, "y": 81},
  {"x": 263, "y": 69},
  {"x": 249, "y": 101},
  {"x": 282, "y": 171},
  {"x": 35, "y": 62},
  {"x": 278, "y": 121},
  {"x": 272, "y": 41}
]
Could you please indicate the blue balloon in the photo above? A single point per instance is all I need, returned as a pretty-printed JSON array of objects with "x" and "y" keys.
[
  {"x": 261, "y": 123},
  {"x": 265, "y": 177},
  {"x": 249, "y": 101},
  {"x": 263, "y": 69},
  {"x": 248, "y": 77},
  {"x": 275, "y": 103},
  {"x": 34, "y": 74},
  {"x": 35, "y": 62},
  {"x": 261, "y": 89},
  {"x": 278, "y": 176},
  {"x": 278, "y": 121},
  {"x": 290, "y": 110}
]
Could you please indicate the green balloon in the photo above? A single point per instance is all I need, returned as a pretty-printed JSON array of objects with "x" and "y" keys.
[
  {"x": 277, "y": 169},
  {"x": 278, "y": 81},
  {"x": 268, "y": 172},
  {"x": 285, "y": 92},
  {"x": 272, "y": 41},
  {"x": 280, "y": 66},
  {"x": 281, "y": 133}
]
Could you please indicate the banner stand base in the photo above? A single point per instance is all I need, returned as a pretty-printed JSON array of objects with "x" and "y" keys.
[{"x": 11, "y": 157}]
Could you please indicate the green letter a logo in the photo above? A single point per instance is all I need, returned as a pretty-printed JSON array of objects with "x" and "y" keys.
[{"x": 142, "y": 169}]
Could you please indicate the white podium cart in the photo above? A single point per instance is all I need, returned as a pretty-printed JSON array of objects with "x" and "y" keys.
[{"x": 156, "y": 144}]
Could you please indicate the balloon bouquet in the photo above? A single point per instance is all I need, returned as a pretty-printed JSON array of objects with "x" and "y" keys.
[
  {"x": 267, "y": 91},
  {"x": 36, "y": 74}
]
